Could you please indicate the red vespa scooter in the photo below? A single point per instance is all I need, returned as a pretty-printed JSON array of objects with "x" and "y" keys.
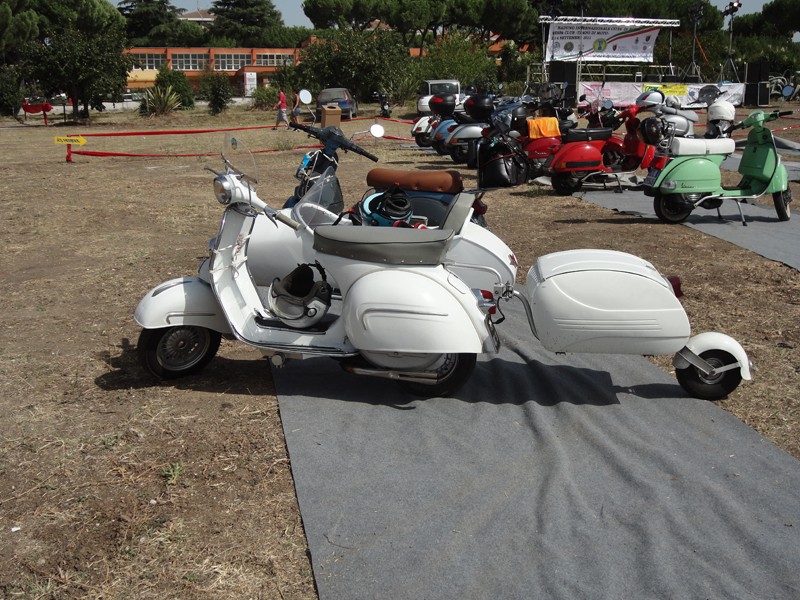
[{"x": 594, "y": 154}]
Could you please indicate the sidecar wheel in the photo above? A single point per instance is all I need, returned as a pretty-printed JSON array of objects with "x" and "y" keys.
[
  {"x": 669, "y": 209},
  {"x": 565, "y": 184},
  {"x": 177, "y": 351},
  {"x": 707, "y": 387},
  {"x": 781, "y": 200},
  {"x": 454, "y": 371}
]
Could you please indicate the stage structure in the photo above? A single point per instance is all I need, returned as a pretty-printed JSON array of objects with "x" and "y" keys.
[{"x": 601, "y": 40}]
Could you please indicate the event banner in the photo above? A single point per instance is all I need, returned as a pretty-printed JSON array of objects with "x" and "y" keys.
[
  {"x": 625, "y": 93},
  {"x": 600, "y": 42}
]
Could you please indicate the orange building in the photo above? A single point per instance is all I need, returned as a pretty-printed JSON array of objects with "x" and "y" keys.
[{"x": 242, "y": 65}]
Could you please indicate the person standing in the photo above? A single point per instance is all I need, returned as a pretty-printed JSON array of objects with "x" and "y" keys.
[
  {"x": 280, "y": 106},
  {"x": 295, "y": 107}
]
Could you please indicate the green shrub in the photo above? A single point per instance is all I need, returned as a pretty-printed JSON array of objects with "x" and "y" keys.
[
  {"x": 10, "y": 92},
  {"x": 264, "y": 98},
  {"x": 217, "y": 89},
  {"x": 179, "y": 83}
]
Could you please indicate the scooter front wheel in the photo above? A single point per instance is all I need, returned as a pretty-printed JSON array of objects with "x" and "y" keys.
[
  {"x": 710, "y": 387},
  {"x": 670, "y": 208},
  {"x": 453, "y": 370},
  {"x": 781, "y": 200},
  {"x": 177, "y": 351}
]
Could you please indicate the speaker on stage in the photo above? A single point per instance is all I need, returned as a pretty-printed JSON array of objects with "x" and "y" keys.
[
  {"x": 756, "y": 94},
  {"x": 758, "y": 71},
  {"x": 561, "y": 72}
]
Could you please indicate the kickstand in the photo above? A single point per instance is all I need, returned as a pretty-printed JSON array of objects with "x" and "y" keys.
[
  {"x": 741, "y": 214},
  {"x": 619, "y": 184}
]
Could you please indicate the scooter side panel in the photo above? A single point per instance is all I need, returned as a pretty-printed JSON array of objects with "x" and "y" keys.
[
  {"x": 578, "y": 156},
  {"x": 181, "y": 301},
  {"x": 481, "y": 259},
  {"x": 607, "y": 311},
  {"x": 691, "y": 175},
  {"x": 402, "y": 311}
]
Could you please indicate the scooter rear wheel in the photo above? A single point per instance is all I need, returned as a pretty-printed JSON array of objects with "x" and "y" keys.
[
  {"x": 178, "y": 351},
  {"x": 565, "y": 184},
  {"x": 710, "y": 387},
  {"x": 669, "y": 209},
  {"x": 453, "y": 369},
  {"x": 458, "y": 154},
  {"x": 781, "y": 200},
  {"x": 422, "y": 140}
]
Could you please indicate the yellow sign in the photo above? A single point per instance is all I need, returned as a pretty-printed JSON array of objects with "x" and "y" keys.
[{"x": 70, "y": 139}]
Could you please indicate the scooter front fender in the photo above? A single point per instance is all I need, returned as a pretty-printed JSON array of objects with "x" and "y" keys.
[
  {"x": 712, "y": 340},
  {"x": 403, "y": 311},
  {"x": 181, "y": 301}
]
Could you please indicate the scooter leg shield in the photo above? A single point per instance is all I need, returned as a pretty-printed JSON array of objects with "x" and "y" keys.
[
  {"x": 182, "y": 301},
  {"x": 712, "y": 340},
  {"x": 402, "y": 311}
]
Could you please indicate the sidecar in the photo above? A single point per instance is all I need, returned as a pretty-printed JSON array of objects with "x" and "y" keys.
[{"x": 604, "y": 301}]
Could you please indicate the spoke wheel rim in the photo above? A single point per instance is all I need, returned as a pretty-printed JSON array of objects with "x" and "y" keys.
[{"x": 182, "y": 348}]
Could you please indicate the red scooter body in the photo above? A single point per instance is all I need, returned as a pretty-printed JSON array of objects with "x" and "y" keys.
[{"x": 596, "y": 151}]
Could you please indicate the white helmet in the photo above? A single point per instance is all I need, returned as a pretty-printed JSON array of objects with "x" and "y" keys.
[
  {"x": 721, "y": 110},
  {"x": 297, "y": 300},
  {"x": 672, "y": 102},
  {"x": 650, "y": 98}
]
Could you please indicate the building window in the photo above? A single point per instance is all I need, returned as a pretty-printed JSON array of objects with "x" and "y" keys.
[
  {"x": 190, "y": 62},
  {"x": 231, "y": 62},
  {"x": 274, "y": 60},
  {"x": 150, "y": 61}
]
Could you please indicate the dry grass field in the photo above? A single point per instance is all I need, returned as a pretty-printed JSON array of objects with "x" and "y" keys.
[{"x": 113, "y": 485}]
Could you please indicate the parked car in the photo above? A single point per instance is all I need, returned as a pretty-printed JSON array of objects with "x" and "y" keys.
[
  {"x": 340, "y": 96},
  {"x": 431, "y": 87}
]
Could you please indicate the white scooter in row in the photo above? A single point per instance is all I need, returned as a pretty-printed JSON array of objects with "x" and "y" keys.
[{"x": 415, "y": 305}]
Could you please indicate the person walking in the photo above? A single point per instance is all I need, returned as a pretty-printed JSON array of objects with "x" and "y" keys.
[
  {"x": 295, "y": 107},
  {"x": 280, "y": 106}
]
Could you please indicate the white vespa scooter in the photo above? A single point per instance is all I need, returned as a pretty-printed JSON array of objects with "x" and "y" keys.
[{"x": 412, "y": 305}]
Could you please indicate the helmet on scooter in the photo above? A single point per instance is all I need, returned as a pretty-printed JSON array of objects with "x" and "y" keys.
[
  {"x": 651, "y": 131},
  {"x": 650, "y": 99},
  {"x": 672, "y": 101},
  {"x": 299, "y": 301},
  {"x": 721, "y": 110},
  {"x": 386, "y": 209}
]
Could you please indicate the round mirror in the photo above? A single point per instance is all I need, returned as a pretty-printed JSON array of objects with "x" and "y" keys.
[
  {"x": 787, "y": 91},
  {"x": 500, "y": 86},
  {"x": 377, "y": 130},
  {"x": 608, "y": 105},
  {"x": 305, "y": 96}
]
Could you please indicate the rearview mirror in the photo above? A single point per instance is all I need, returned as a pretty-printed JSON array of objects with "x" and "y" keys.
[
  {"x": 305, "y": 97},
  {"x": 377, "y": 130}
]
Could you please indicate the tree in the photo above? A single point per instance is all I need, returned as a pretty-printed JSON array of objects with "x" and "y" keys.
[
  {"x": 244, "y": 21},
  {"x": 325, "y": 14},
  {"x": 17, "y": 27},
  {"x": 149, "y": 22},
  {"x": 82, "y": 56}
]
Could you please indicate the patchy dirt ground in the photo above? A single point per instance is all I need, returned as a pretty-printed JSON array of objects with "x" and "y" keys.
[{"x": 114, "y": 485}]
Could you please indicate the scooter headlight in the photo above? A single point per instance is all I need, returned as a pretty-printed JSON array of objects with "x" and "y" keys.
[{"x": 223, "y": 190}]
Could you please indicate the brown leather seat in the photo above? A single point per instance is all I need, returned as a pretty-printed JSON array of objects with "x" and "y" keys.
[{"x": 445, "y": 182}]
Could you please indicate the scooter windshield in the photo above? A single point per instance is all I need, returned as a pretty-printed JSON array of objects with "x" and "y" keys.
[
  {"x": 237, "y": 156},
  {"x": 322, "y": 203}
]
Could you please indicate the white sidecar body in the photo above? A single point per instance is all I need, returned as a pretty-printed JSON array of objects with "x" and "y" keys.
[{"x": 604, "y": 301}]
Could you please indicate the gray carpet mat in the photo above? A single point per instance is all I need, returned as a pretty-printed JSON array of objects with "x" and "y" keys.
[
  {"x": 586, "y": 476},
  {"x": 764, "y": 233}
]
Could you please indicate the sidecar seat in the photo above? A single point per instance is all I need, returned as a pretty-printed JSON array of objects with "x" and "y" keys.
[{"x": 385, "y": 245}]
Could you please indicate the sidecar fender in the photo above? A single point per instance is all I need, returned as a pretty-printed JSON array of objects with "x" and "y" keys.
[
  {"x": 712, "y": 340},
  {"x": 402, "y": 311},
  {"x": 181, "y": 301}
]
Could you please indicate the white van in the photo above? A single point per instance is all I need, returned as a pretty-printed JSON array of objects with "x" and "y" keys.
[{"x": 431, "y": 87}]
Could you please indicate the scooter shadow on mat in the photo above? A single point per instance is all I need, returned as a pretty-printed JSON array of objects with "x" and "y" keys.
[{"x": 495, "y": 381}]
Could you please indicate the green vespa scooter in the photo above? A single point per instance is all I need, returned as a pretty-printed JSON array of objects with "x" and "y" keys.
[{"x": 685, "y": 173}]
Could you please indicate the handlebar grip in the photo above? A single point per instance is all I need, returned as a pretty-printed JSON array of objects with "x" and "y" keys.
[
  {"x": 370, "y": 156},
  {"x": 785, "y": 113},
  {"x": 279, "y": 216}
]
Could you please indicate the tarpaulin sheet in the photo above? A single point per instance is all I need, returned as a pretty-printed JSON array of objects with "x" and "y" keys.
[{"x": 546, "y": 476}]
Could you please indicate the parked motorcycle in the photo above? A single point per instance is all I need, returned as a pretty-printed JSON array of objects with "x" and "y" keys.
[
  {"x": 415, "y": 305},
  {"x": 383, "y": 100},
  {"x": 686, "y": 172},
  {"x": 441, "y": 107}
]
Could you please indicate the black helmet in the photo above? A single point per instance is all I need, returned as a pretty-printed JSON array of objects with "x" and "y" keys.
[
  {"x": 651, "y": 131},
  {"x": 387, "y": 208}
]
